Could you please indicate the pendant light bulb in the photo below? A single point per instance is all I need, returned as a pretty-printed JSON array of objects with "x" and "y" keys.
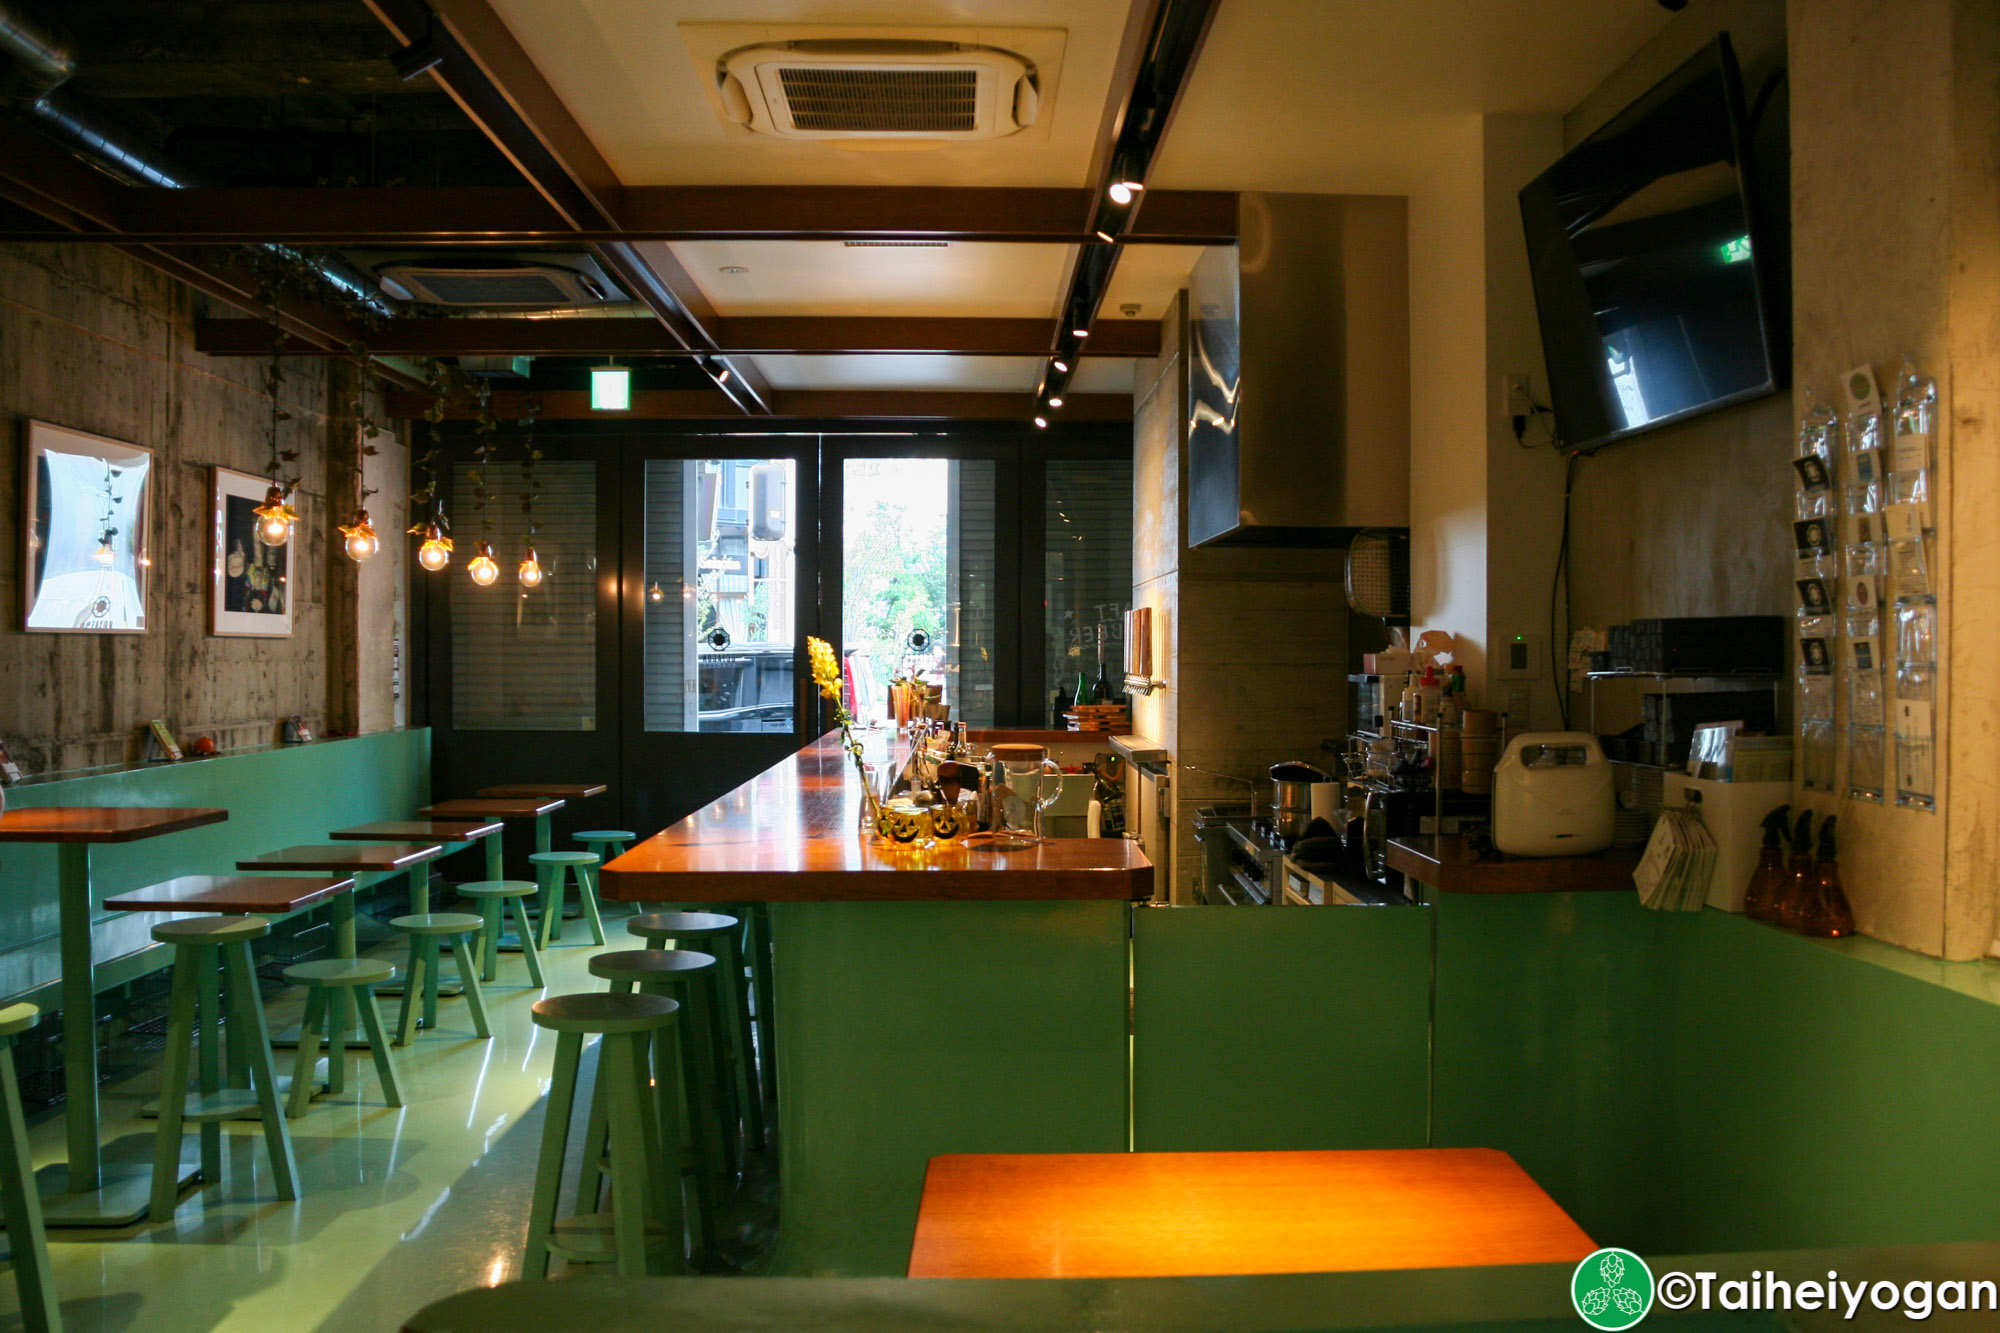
[
  {"x": 435, "y": 553},
  {"x": 656, "y": 593},
  {"x": 275, "y": 517},
  {"x": 530, "y": 570},
  {"x": 362, "y": 542},
  {"x": 485, "y": 571}
]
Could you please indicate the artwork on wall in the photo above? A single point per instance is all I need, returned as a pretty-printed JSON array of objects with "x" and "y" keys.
[
  {"x": 251, "y": 585},
  {"x": 87, "y": 508}
]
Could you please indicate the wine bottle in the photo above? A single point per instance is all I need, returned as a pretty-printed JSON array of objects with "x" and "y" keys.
[{"x": 1084, "y": 694}]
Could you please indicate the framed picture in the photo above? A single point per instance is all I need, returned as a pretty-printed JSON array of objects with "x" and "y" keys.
[
  {"x": 87, "y": 511},
  {"x": 251, "y": 585}
]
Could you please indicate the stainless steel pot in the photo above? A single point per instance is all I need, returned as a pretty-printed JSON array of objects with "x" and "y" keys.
[{"x": 1291, "y": 795}]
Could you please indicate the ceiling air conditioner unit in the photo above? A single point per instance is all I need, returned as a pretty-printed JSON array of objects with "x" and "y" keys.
[
  {"x": 845, "y": 88},
  {"x": 499, "y": 283}
]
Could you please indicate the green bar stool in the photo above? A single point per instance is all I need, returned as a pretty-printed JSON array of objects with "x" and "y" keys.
[
  {"x": 687, "y": 1058},
  {"x": 722, "y": 936},
  {"x": 493, "y": 896},
  {"x": 607, "y": 844},
  {"x": 355, "y": 980},
  {"x": 193, "y": 1013},
  {"x": 645, "y": 1220},
  {"x": 20, "y": 1203},
  {"x": 428, "y": 932},
  {"x": 555, "y": 870},
  {"x": 757, "y": 943}
]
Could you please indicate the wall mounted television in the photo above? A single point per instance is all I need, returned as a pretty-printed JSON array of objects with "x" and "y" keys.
[{"x": 1652, "y": 278}]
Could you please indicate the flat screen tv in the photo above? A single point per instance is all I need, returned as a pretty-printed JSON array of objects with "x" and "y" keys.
[{"x": 1649, "y": 269}]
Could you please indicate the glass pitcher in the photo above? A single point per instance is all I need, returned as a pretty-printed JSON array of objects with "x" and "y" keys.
[{"x": 1031, "y": 782}]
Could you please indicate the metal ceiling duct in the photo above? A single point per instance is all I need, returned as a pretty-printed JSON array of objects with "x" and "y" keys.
[{"x": 43, "y": 60}]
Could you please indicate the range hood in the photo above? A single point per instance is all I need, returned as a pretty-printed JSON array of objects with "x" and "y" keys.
[{"x": 1298, "y": 374}]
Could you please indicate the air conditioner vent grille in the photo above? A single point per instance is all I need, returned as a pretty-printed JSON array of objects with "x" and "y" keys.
[
  {"x": 495, "y": 289},
  {"x": 882, "y": 101}
]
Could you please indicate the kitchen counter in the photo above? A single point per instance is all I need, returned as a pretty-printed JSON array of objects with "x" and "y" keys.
[
  {"x": 791, "y": 834},
  {"x": 1451, "y": 865}
]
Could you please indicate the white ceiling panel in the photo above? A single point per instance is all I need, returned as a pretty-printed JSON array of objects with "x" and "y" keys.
[
  {"x": 984, "y": 373},
  {"x": 977, "y": 279}
]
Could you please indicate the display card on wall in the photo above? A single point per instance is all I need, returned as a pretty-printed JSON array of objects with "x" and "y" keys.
[{"x": 251, "y": 586}]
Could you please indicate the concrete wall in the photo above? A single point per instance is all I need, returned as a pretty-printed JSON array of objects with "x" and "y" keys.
[{"x": 94, "y": 340}]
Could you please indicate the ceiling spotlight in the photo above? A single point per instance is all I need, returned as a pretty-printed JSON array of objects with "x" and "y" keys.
[
  {"x": 1106, "y": 237},
  {"x": 1124, "y": 192},
  {"x": 721, "y": 373},
  {"x": 1055, "y": 402},
  {"x": 734, "y": 268},
  {"x": 1042, "y": 423},
  {"x": 1062, "y": 367},
  {"x": 1079, "y": 333}
]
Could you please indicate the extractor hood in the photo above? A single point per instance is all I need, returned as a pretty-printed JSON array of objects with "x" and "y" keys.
[{"x": 1298, "y": 374}]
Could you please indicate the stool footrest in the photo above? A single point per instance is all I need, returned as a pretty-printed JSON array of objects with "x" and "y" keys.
[
  {"x": 592, "y": 1238},
  {"x": 227, "y": 1104}
]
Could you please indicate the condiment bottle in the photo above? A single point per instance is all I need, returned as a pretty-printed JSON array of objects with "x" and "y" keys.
[
  {"x": 1826, "y": 914},
  {"x": 1798, "y": 874},
  {"x": 1767, "y": 881},
  {"x": 1430, "y": 695}
]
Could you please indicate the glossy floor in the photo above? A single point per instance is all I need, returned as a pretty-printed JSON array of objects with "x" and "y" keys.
[{"x": 399, "y": 1206}]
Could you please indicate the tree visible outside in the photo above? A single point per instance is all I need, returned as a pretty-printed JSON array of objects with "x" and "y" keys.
[{"x": 895, "y": 558}]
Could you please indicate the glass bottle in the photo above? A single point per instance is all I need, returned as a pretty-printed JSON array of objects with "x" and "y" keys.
[
  {"x": 1102, "y": 689},
  {"x": 1792, "y": 897},
  {"x": 1760, "y": 900},
  {"x": 1084, "y": 694},
  {"x": 1826, "y": 914}
]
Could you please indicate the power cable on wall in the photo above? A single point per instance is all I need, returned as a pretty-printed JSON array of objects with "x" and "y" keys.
[{"x": 1559, "y": 594}]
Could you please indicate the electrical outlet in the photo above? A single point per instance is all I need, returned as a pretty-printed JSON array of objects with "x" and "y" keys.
[{"x": 1515, "y": 401}]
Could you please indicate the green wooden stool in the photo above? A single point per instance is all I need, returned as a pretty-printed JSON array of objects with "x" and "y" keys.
[
  {"x": 688, "y": 1057},
  {"x": 555, "y": 870},
  {"x": 428, "y": 931},
  {"x": 757, "y": 944},
  {"x": 494, "y": 896},
  {"x": 355, "y": 980},
  {"x": 193, "y": 1012},
  {"x": 645, "y": 1219},
  {"x": 720, "y": 935},
  {"x": 20, "y": 1203},
  {"x": 608, "y": 844}
]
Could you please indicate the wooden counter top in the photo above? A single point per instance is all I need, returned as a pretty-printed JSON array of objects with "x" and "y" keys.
[
  {"x": 1450, "y": 865},
  {"x": 792, "y": 834},
  {"x": 1189, "y": 1214}
]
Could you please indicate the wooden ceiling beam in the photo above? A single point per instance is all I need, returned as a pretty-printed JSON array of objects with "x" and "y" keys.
[
  {"x": 743, "y": 335},
  {"x": 515, "y": 215},
  {"x": 824, "y": 405},
  {"x": 483, "y": 68}
]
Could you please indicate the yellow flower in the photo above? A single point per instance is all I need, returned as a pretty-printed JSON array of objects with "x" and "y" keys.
[{"x": 825, "y": 667}]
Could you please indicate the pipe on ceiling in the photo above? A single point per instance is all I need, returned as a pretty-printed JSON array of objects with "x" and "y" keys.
[{"x": 43, "y": 60}]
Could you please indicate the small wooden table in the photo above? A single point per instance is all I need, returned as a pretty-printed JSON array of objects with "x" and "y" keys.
[
  {"x": 354, "y": 859},
  {"x": 537, "y": 808},
  {"x": 1210, "y": 1214},
  {"x": 567, "y": 791},
  {"x": 247, "y": 895},
  {"x": 79, "y": 1193},
  {"x": 450, "y": 831}
]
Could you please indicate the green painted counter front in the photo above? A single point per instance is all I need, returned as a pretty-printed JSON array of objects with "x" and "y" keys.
[
  {"x": 276, "y": 797},
  {"x": 909, "y": 1029}
]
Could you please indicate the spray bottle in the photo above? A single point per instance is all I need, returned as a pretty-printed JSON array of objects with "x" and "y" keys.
[
  {"x": 1797, "y": 890},
  {"x": 1826, "y": 915},
  {"x": 1760, "y": 900}
]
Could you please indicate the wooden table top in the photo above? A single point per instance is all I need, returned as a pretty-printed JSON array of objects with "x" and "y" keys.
[
  {"x": 1451, "y": 865},
  {"x": 492, "y": 807},
  {"x": 100, "y": 823},
  {"x": 1011, "y": 1215},
  {"x": 792, "y": 834},
  {"x": 253, "y": 894},
  {"x": 350, "y": 858},
  {"x": 419, "y": 830},
  {"x": 568, "y": 791}
]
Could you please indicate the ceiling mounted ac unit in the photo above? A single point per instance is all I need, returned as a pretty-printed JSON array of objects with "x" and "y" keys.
[
  {"x": 499, "y": 282},
  {"x": 848, "y": 88}
]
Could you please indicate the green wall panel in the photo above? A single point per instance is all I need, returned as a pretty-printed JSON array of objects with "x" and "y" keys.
[
  {"x": 275, "y": 798},
  {"x": 905, "y": 1030},
  {"x": 1285, "y": 1029}
]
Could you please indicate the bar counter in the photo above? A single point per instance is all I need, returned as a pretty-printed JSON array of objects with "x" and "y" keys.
[{"x": 792, "y": 834}]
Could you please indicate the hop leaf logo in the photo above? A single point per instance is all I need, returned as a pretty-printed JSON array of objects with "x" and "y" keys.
[{"x": 1612, "y": 1289}]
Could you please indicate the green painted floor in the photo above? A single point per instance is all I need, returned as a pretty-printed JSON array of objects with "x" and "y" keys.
[{"x": 399, "y": 1207}]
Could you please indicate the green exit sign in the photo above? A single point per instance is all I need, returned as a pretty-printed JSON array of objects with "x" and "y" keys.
[{"x": 1736, "y": 251}]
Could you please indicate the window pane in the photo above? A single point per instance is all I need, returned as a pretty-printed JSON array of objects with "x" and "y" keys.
[
  {"x": 919, "y": 555},
  {"x": 719, "y": 571},
  {"x": 1088, "y": 566},
  {"x": 525, "y": 659}
]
